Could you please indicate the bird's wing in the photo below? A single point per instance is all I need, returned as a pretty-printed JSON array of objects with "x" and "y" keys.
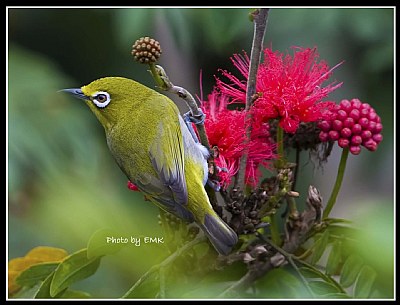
[
  {"x": 167, "y": 156},
  {"x": 162, "y": 196}
]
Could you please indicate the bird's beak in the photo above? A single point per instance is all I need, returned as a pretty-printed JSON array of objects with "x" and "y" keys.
[{"x": 75, "y": 92}]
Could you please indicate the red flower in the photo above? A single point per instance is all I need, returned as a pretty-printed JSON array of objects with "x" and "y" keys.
[
  {"x": 226, "y": 130},
  {"x": 132, "y": 186},
  {"x": 291, "y": 87}
]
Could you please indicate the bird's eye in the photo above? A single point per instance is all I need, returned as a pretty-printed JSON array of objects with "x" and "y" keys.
[{"x": 101, "y": 99}]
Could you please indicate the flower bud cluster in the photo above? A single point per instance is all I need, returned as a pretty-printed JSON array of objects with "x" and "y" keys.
[{"x": 353, "y": 124}]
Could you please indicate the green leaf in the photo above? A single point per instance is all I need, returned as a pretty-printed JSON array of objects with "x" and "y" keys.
[
  {"x": 99, "y": 243},
  {"x": 201, "y": 249},
  {"x": 364, "y": 282},
  {"x": 309, "y": 273},
  {"x": 26, "y": 292},
  {"x": 334, "y": 259},
  {"x": 207, "y": 291},
  {"x": 44, "y": 289},
  {"x": 343, "y": 231},
  {"x": 74, "y": 268},
  {"x": 312, "y": 272},
  {"x": 331, "y": 221},
  {"x": 35, "y": 273},
  {"x": 75, "y": 294},
  {"x": 320, "y": 247},
  {"x": 146, "y": 290},
  {"x": 322, "y": 288},
  {"x": 351, "y": 268},
  {"x": 279, "y": 283},
  {"x": 339, "y": 295}
]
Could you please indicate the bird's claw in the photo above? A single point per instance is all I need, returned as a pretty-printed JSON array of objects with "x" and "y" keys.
[
  {"x": 215, "y": 185},
  {"x": 196, "y": 119}
]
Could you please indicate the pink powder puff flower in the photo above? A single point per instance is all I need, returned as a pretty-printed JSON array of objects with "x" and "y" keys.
[
  {"x": 290, "y": 86},
  {"x": 226, "y": 130}
]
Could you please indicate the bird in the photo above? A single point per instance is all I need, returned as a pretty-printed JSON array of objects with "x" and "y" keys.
[{"x": 152, "y": 145}]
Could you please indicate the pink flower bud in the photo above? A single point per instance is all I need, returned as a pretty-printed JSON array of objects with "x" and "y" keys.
[
  {"x": 372, "y": 125},
  {"x": 366, "y": 106},
  {"x": 348, "y": 122},
  {"x": 366, "y": 134},
  {"x": 324, "y": 125},
  {"x": 371, "y": 145},
  {"x": 377, "y": 138},
  {"x": 341, "y": 115},
  {"x": 355, "y": 114},
  {"x": 345, "y": 105},
  {"x": 324, "y": 136},
  {"x": 355, "y": 150},
  {"x": 364, "y": 113},
  {"x": 343, "y": 142},
  {"x": 356, "y": 140},
  {"x": 372, "y": 116},
  {"x": 337, "y": 125},
  {"x": 355, "y": 103},
  {"x": 333, "y": 135},
  {"x": 363, "y": 122},
  {"x": 346, "y": 132},
  {"x": 378, "y": 128},
  {"x": 356, "y": 129}
]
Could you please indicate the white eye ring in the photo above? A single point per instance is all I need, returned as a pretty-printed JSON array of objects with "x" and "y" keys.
[{"x": 101, "y": 99}]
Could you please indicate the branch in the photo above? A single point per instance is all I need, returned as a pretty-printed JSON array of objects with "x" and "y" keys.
[
  {"x": 195, "y": 111},
  {"x": 260, "y": 17},
  {"x": 147, "y": 50}
]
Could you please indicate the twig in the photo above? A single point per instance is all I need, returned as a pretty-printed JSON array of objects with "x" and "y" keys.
[
  {"x": 159, "y": 72},
  {"x": 260, "y": 17},
  {"x": 169, "y": 260}
]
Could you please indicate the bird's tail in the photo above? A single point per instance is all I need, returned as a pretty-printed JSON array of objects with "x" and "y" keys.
[{"x": 219, "y": 233}]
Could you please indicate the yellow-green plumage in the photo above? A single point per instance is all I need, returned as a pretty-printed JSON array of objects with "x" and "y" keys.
[{"x": 153, "y": 147}]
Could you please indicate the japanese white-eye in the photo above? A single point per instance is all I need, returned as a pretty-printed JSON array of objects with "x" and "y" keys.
[{"x": 153, "y": 147}]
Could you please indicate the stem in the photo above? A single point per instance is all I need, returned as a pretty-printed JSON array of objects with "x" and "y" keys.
[
  {"x": 296, "y": 169},
  {"x": 280, "y": 148},
  {"x": 338, "y": 183},
  {"x": 275, "y": 236},
  {"x": 162, "y": 80},
  {"x": 260, "y": 25},
  {"x": 156, "y": 76},
  {"x": 292, "y": 207},
  {"x": 279, "y": 164}
]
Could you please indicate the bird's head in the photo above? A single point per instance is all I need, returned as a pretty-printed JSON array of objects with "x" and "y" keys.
[{"x": 111, "y": 98}]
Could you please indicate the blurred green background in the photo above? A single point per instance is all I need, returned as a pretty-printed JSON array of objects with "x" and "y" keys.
[{"x": 63, "y": 184}]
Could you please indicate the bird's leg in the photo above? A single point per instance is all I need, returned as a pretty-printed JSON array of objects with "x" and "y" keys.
[
  {"x": 189, "y": 118},
  {"x": 214, "y": 185}
]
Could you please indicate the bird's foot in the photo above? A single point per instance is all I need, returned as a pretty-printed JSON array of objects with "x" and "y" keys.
[
  {"x": 189, "y": 119},
  {"x": 196, "y": 119},
  {"x": 215, "y": 185}
]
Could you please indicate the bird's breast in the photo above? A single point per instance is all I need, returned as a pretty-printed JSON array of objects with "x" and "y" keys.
[{"x": 130, "y": 150}]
